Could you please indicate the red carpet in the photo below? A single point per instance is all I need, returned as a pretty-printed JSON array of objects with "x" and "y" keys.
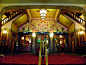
[
  {"x": 66, "y": 59},
  {"x": 55, "y": 59}
]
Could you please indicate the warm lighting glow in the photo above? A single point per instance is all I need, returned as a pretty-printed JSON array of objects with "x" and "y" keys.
[
  {"x": 43, "y": 11},
  {"x": 51, "y": 34},
  {"x": 22, "y": 38},
  {"x": 4, "y": 31},
  {"x": 42, "y": 17},
  {"x": 60, "y": 42},
  {"x": 33, "y": 34},
  {"x": 2, "y": 22},
  {"x": 2, "y": 18},
  {"x": 81, "y": 32},
  {"x": 43, "y": 14},
  {"x": 60, "y": 36}
]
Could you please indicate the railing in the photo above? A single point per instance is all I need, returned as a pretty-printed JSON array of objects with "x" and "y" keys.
[
  {"x": 46, "y": 55},
  {"x": 40, "y": 53},
  {"x": 5, "y": 20},
  {"x": 75, "y": 17}
]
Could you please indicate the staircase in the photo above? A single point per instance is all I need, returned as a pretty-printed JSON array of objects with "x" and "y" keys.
[
  {"x": 75, "y": 18},
  {"x": 11, "y": 17}
]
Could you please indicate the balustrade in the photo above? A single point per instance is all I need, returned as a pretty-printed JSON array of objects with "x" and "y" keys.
[
  {"x": 75, "y": 17},
  {"x": 4, "y": 20}
]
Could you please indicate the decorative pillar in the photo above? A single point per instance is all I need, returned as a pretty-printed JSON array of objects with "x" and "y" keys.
[
  {"x": 51, "y": 44},
  {"x": 33, "y": 43}
]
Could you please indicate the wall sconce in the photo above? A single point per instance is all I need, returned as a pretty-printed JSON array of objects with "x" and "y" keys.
[
  {"x": 81, "y": 32},
  {"x": 51, "y": 34},
  {"x": 33, "y": 34},
  {"x": 22, "y": 38},
  {"x": 4, "y": 31},
  {"x": 60, "y": 36}
]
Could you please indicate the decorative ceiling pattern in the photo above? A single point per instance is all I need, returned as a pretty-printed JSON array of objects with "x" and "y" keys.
[{"x": 42, "y": 26}]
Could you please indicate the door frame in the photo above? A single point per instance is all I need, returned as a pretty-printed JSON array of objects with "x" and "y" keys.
[
  {"x": 24, "y": 34},
  {"x": 61, "y": 33},
  {"x": 42, "y": 33}
]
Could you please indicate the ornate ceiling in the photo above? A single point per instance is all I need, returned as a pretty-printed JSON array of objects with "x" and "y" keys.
[
  {"x": 17, "y": 5},
  {"x": 50, "y": 14}
]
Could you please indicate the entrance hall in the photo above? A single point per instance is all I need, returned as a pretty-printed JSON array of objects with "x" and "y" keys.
[{"x": 42, "y": 33}]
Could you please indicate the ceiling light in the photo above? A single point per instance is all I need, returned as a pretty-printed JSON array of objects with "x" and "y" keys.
[
  {"x": 43, "y": 11},
  {"x": 43, "y": 14},
  {"x": 42, "y": 17}
]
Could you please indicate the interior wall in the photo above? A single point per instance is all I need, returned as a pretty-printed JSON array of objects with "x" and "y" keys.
[
  {"x": 65, "y": 21},
  {"x": 78, "y": 26},
  {"x": 7, "y": 26},
  {"x": 71, "y": 28},
  {"x": 14, "y": 28}
]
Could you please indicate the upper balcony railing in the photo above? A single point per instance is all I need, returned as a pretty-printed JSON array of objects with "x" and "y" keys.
[
  {"x": 76, "y": 18},
  {"x": 14, "y": 14}
]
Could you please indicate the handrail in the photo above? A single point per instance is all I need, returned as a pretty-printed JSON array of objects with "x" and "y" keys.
[
  {"x": 46, "y": 55},
  {"x": 75, "y": 17},
  {"x": 10, "y": 17},
  {"x": 40, "y": 53}
]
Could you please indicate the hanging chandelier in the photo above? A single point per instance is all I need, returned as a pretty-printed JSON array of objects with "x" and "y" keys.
[{"x": 43, "y": 13}]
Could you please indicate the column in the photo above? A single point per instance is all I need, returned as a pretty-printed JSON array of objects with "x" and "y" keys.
[
  {"x": 33, "y": 45},
  {"x": 51, "y": 45}
]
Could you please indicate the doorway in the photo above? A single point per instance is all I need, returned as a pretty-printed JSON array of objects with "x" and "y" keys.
[
  {"x": 60, "y": 43},
  {"x": 39, "y": 39},
  {"x": 42, "y": 38},
  {"x": 26, "y": 43},
  {"x": 72, "y": 44}
]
